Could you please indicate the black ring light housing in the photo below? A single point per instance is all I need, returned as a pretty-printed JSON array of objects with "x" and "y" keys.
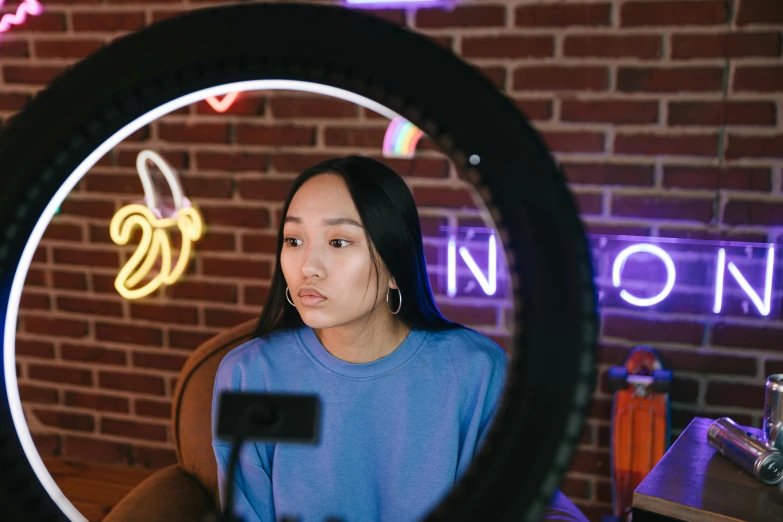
[{"x": 552, "y": 371}]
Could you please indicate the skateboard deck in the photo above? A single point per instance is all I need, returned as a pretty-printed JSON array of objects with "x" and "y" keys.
[{"x": 640, "y": 423}]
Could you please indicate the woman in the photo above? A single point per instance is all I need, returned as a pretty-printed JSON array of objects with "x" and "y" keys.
[{"x": 406, "y": 395}]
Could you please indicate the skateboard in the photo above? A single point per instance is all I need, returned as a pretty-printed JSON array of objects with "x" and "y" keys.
[{"x": 640, "y": 423}]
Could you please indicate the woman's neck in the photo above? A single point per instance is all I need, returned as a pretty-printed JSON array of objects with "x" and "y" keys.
[{"x": 364, "y": 341}]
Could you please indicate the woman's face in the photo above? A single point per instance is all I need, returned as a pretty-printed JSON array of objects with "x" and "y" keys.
[{"x": 326, "y": 258}]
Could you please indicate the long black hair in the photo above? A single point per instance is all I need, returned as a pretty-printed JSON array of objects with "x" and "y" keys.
[{"x": 391, "y": 224}]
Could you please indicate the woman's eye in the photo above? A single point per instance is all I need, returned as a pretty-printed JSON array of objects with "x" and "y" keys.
[
  {"x": 339, "y": 243},
  {"x": 291, "y": 241}
]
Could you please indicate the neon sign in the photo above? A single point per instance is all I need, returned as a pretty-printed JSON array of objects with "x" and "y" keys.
[
  {"x": 154, "y": 224},
  {"x": 401, "y": 138},
  {"x": 27, "y": 7},
  {"x": 643, "y": 272},
  {"x": 224, "y": 104}
]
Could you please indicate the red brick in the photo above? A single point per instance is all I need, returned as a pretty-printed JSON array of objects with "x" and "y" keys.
[
  {"x": 14, "y": 49},
  {"x": 55, "y": 326},
  {"x": 507, "y": 46},
  {"x": 718, "y": 113},
  {"x": 134, "y": 430},
  {"x": 188, "y": 340},
  {"x": 13, "y": 101},
  {"x": 108, "y": 21},
  {"x": 97, "y": 181},
  {"x": 237, "y": 268},
  {"x": 759, "y": 12},
  {"x": 66, "y": 48},
  {"x": 735, "y": 394},
  {"x": 84, "y": 257},
  {"x": 672, "y": 144},
  {"x": 312, "y": 107},
  {"x": 705, "y": 362},
  {"x": 357, "y": 137},
  {"x": 32, "y": 301},
  {"x": 259, "y": 243},
  {"x": 574, "y": 141},
  {"x": 297, "y": 163},
  {"x": 682, "y": 79},
  {"x": 203, "y": 291},
  {"x": 773, "y": 366},
  {"x": 748, "y": 337},
  {"x": 97, "y": 402},
  {"x": 651, "y": 207},
  {"x": 256, "y": 294},
  {"x": 91, "y": 354},
  {"x": 158, "y": 361},
  {"x": 40, "y": 255},
  {"x": 216, "y": 242},
  {"x": 264, "y": 189},
  {"x": 194, "y": 133},
  {"x": 419, "y": 167},
  {"x": 177, "y": 158},
  {"x": 88, "y": 208},
  {"x": 462, "y": 16},
  {"x": 652, "y": 330},
  {"x": 608, "y": 174},
  {"x": 227, "y": 318},
  {"x": 60, "y": 374},
  {"x": 47, "y": 443},
  {"x": 133, "y": 382},
  {"x": 754, "y": 146},
  {"x": 46, "y": 22},
  {"x": 154, "y": 458},
  {"x": 201, "y": 187},
  {"x": 710, "y": 178},
  {"x": 609, "y": 111},
  {"x": 644, "y": 47},
  {"x": 676, "y": 12},
  {"x": 277, "y": 135},
  {"x": 594, "y": 462},
  {"x": 65, "y": 231},
  {"x": 29, "y": 393},
  {"x": 95, "y": 450},
  {"x": 148, "y": 408},
  {"x": 574, "y": 487},
  {"x": 470, "y": 315},
  {"x": 536, "y": 110},
  {"x": 29, "y": 348},
  {"x": 752, "y": 78},
  {"x": 65, "y": 420},
  {"x": 125, "y": 333},
  {"x": 563, "y": 15},
  {"x": 252, "y": 217},
  {"x": 232, "y": 161},
  {"x": 561, "y": 78},
  {"x": 443, "y": 197},
  {"x": 603, "y": 491},
  {"x": 167, "y": 313},
  {"x": 723, "y": 45},
  {"x": 31, "y": 74},
  {"x": 739, "y": 212},
  {"x": 92, "y": 306},
  {"x": 589, "y": 203}
]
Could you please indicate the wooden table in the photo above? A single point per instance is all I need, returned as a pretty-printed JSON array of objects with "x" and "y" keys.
[{"x": 694, "y": 482}]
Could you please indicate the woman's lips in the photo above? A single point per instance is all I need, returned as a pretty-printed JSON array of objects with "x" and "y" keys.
[{"x": 310, "y": 296}]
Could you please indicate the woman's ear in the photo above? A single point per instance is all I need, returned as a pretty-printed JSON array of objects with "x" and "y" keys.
[{"x": 392, "y": 284}]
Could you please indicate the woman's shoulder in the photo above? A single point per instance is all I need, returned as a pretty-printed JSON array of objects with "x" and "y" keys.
[
  {"x": 469, "y": 346},
  {"x": 258, "y": 350}
]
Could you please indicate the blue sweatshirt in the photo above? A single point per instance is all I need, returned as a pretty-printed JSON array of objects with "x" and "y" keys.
[{"x": 396, "y": 433}]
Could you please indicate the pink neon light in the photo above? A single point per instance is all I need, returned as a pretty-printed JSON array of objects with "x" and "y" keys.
[
  {"x": 31, "y": 7},
  {"x": 224, "y": 104},
  {"x": 764, "y": 306}
]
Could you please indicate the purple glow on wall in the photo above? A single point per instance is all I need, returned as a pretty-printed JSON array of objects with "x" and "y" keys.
[{"x": 619, "y": 263}]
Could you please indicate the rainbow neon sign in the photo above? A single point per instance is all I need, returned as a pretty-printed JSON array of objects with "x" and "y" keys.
[
  {"x": 643, "y": 272},
  {"x": 401, "y": 139},
  {"x": 27, "y": 7}
]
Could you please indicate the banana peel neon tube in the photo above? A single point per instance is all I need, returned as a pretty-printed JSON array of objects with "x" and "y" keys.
[{"x": 155, "y": 241}]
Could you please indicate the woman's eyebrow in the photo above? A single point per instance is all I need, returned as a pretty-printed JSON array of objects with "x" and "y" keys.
[{"x": 327, "y": 221}]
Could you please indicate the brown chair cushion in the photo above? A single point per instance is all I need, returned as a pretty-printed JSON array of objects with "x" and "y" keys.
[
  {"x": 192, "y": 405},
  {"x": 168, "y": 495}
]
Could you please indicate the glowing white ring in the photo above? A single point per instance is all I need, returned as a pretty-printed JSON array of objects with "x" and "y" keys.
[
  {"x": 9, "y": 335},
  {"x": 619, "y": 263}
]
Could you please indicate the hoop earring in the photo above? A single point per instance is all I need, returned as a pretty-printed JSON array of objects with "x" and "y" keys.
[
  {"x": 387, "y": 301},
  {"x": 288, "y": 297}
]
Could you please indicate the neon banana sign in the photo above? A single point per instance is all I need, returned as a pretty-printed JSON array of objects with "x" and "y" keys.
[{"x": 155, "y": 241}]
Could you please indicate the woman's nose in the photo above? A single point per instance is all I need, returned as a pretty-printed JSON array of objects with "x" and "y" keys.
[{"x": 313, "y": 265}]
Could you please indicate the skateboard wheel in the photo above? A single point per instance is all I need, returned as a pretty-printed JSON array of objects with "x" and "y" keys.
[
  {"x": 618, "y": 378},
  {"x": 662, "y": 381}
]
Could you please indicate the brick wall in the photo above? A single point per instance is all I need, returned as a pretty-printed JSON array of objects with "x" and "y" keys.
[{"x": 665, "y": 114}]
